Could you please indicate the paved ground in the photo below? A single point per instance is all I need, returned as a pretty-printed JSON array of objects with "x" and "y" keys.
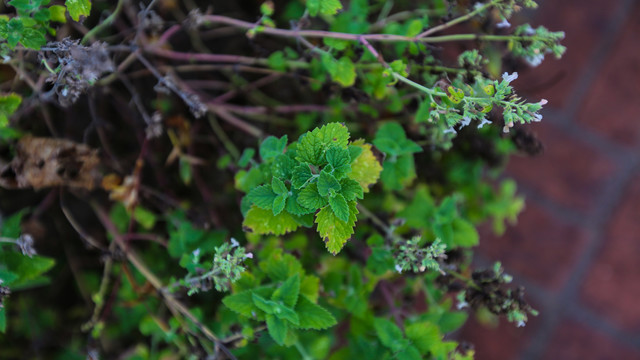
[{"x": 576, "y": 247}]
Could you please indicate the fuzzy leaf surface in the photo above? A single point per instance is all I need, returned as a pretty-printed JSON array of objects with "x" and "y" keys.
[
  {"x": 333, "y": 230},
  {"x": 265, "y": 222},
  {"x": 365, "y": 169},
  {"x": 313, "y": 316},
  {"x": 262, "y": 196}
]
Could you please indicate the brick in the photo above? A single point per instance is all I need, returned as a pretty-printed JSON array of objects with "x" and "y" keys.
[
  {"x": 570, "y": 172},
  {"x": 502, "y": 342},
  {"x": 611, "y": 107},
  {"x": 612, "y": 287},
  {"x": 539, "y": 247},
  {"x": 582, "y": 23},
  {"x": 574, "y": 341}
]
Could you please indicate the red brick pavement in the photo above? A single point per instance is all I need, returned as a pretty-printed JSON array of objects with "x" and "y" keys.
[{"x": 577, "y": 244}]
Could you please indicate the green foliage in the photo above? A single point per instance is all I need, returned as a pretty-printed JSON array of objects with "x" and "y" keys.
[
  {"x": 314, "y": 173},
  {"x": 78, "y": 8},
  {"x": 8, "y": 105},
  {"x": 20, "y": 268},
  {"x": 356, "y": 94},
  {"x": 283, "y": 304},
  {"x": 398, "y": 169},
  {"x": 32, "y": 22},
  {"x": 324, "y": 7}
]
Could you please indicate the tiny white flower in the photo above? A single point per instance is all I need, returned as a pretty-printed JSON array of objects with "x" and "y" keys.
[
  {"x": 248, "y": 255},
  {"x": 521, "y": 323},
  {"x": 509, "y": 78},
  {"x": 483, "y": 123},
  {"x": 503, "y": 24},
  {"x": 462, "y": 304},
  {"x": 450, "y": 130},
  {"x": 543, "y": 102},
  {"x": 529, "y": 30},
  {"x": 537, "y": 117},
  {"x": 465, "y": 121},
  {"x": 477, "y": 5},
  {"x": 196, "y": 252},
  {"x": 234, "y": 243},
  {"x": 399, "y": 269},
  {"x": 534, "y": 60}
]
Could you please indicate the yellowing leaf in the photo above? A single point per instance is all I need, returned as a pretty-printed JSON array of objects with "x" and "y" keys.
[
  {"x": 365, "y": 169},
  {"x": 263, "y": 222},
  {"x": 334, "y": 231},
  {"x": 78, "y": 8}
]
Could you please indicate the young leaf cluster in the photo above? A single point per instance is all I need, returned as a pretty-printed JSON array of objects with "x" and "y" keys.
[
  {"x": 32, "y": 23},
  {"x": 286, "y": 300},
  {"x": 322, "y": 175}
]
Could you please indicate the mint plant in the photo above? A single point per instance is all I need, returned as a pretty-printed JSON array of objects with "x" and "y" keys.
[
  {"x": 259, "y": 182},
  {"x": 322, "y": 171}
]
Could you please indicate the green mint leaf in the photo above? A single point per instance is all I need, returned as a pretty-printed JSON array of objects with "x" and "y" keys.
[
  {"x": 246, "y": 157},
  {"x": 398, "y": 172},
  {"x": 3, "y": 320},
  {"x": 265, "y": 222},
  {"x": 326, "y": 183},
  {"x": 313, "y": 316},
  {"x": 78, "y": 8},
  {"x": 310, "y": 198},
  {"x": 58, "y": 13},
  {"x": 280, "y": 267},
  {"x": 351, "y": 189},
  {"x": 338, "y": 156},
  {"x": 14, "y": 31},
  {"x": 294, "y": 207},
  {"x": 301, "y": 174},
  {"x": 341, "y": 171},
  {"x": 424, "y": 335},
  {"x": 388, "y": 333},
  {"x": 32, "y": 38},
  {"x": 342, "y": 71},
  {"x": 464, "y": 233},
  {"x": 409, "y": 353},
  {"x": 313, "y": 144},
  {"x": 277, "y": 329},
  {"x": 247, "y": 180},
  {"x": 309, "y": 288},
  {"x": 365, "y": 169},
  {"x": 279, "y": 203},
  {"x": 8, "y": 105},
  {"x": 391, "y": 139},
  {"x": 272, "y": 147},
  {"x": 278, "y": 186},
  {"x": 144, "y": 217},
  {"x": 277, "y": 61},
  {"x": 324, "y": 7},
  {"x": 283, "y": 166},
  {"x": 262, "y": 196},
  {"x": 387, "y": 146},
  {"x": 29, "y": 269},
  {"x": 242, "y": 302},
  {"x": 268, "y": 306},
  {"x": 288, "y": 314},
  {"x": 288, "y": 292},
  {"x": 339, "y": 206},
  {"x": 334, "y": 231},
  {"x": 354, "y": 151}
]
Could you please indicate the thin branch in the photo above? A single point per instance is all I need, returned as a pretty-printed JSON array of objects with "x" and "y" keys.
[
  {"x": 169, "y": 299},
  {"x": 235, "y": 121}
]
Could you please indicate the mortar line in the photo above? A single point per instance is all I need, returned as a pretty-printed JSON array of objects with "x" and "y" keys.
[{"x": 586, "y": 316}]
